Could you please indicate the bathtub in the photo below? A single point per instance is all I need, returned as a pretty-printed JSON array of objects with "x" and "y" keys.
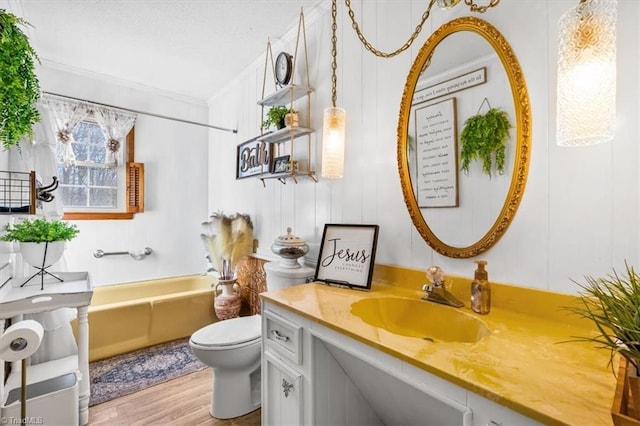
[{"x": 126, "y": 317}]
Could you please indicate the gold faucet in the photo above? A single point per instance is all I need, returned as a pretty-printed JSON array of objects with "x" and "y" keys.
[{"x": 436, "y": 291}]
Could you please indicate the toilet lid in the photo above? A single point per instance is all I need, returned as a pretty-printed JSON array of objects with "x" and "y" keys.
[{"x": 229, "y": 332}]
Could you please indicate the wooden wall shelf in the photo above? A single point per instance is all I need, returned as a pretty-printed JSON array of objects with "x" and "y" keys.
[
  {"x": 285, "y": 134},
  {"x": 286, "y": 95},
  {"x": 282, "y": 177}
]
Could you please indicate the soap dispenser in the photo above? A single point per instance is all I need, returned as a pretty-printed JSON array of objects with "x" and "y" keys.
[{"x": 481, "y": 289}]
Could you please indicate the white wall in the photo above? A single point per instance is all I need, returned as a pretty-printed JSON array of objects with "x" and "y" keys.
[
  {"x": 579, "y": 214},
  {"x": 175, "y": 159}
]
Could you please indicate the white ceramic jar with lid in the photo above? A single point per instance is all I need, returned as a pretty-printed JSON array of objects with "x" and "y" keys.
[{"x": 290, "y": 248}]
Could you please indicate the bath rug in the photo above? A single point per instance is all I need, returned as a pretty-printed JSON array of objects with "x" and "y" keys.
[{"x": 134, "y": 371}]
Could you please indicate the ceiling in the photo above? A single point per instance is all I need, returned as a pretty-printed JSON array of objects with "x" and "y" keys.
[{"x": 188, "y": 47}]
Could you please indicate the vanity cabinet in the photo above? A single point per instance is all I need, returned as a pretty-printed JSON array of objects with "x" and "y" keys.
[
  {"x": 313, "y": 374},
  {"x": 282, "y": 370}
]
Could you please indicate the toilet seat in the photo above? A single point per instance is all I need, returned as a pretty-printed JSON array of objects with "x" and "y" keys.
[{"x": 231, "y": 332}]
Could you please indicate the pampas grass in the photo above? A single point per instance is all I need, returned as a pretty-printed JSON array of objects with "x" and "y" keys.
[{"x": 227, "y": 240}]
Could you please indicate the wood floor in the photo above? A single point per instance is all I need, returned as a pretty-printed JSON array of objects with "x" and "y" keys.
[{"x": 183, "y": 401}]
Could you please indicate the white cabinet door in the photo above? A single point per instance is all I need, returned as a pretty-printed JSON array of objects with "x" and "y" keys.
[{"x": 282, "y": 402}]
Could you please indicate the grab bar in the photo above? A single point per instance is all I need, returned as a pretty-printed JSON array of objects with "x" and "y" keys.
[{"x": 137, "y": 255}]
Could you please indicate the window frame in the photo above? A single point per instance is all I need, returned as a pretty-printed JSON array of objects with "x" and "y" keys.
[{"x": 129, "y": 188}]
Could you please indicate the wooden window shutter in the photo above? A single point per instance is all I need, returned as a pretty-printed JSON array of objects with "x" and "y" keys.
[{"x": 135, "y": 187}]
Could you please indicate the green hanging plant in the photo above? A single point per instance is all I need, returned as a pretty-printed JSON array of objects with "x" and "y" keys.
[
  {"x": 484, "y": 138},
  {"x": 19, "y": 87}
]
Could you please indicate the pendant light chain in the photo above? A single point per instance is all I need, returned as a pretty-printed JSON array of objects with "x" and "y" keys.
[
  {"x": 480, "y": 9},
  {"x": 404, "y": 47},
  {"x": 334, "y": 51},
  {"x": 354, "y": 24}
]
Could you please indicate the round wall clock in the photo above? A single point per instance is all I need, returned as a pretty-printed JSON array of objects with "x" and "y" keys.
[{"x": 284, "y": 66}]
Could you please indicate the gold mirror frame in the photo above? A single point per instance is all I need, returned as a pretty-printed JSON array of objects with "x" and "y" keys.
[{"x": 523, "y": 135}]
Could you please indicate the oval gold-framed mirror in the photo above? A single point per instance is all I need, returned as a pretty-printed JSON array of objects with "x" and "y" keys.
[{"x": 505, "y": 205}]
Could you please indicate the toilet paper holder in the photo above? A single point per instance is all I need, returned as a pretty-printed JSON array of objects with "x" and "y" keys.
[{"x": 17, "y": 343}]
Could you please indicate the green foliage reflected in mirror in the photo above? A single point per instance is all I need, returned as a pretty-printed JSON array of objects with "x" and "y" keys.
[{"x": 483, "y": 138}]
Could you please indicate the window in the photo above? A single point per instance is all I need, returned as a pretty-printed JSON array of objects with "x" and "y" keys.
[{"x": 93, "y": 190}]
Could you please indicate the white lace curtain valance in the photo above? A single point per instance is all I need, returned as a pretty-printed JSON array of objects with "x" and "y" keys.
[
  {"x": 66, "y": 114},
  {"x": 115, "y": 125}
]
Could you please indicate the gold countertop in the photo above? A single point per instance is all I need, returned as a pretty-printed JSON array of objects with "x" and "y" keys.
[{"x": 525, "y": 364}]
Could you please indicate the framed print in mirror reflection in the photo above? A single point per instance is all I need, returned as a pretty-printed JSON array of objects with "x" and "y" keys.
[
  {"x": 436, "y": 154},
  {"x": 347, "y": 255}
]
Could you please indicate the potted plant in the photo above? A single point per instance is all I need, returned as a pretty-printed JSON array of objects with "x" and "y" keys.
[
  {"x": 31, "y": 234},
  {"x": 613, "y": 304},
  {"x": 483, "y": 138},
  {"x": 276, "y": 117},
  {"x": 19, "y": 87}
]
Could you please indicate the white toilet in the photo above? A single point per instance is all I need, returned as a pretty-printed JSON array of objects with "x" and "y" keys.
[{"x": 232, "y": 347}]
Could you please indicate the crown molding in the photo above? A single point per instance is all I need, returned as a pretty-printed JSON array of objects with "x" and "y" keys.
[{"x": 58, "y": 66}]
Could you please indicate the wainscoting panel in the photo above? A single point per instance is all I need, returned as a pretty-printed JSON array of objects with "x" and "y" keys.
[
  {"x": 336, "y": 399},
  {"x": 396, "y": 402}
]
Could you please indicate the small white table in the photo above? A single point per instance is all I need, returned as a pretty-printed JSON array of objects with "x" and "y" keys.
[{"x": 74, "y": 292}]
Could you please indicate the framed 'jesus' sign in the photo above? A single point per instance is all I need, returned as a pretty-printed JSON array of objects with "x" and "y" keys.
[{"x": 347, "y": 255}]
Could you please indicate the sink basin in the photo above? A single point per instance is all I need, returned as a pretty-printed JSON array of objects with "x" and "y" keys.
[{"x": 422, "y": 319}]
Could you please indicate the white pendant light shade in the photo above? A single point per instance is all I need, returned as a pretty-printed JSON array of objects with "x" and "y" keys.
[
  {"x": 587, "y": 74},
  {"x": 333, "y": 135}
]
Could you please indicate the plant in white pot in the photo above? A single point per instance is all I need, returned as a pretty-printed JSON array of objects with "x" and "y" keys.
[{"x": 41, "y": 241}]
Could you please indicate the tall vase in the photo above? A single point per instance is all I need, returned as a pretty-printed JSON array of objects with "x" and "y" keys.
[{"x": 227, "y": 300}]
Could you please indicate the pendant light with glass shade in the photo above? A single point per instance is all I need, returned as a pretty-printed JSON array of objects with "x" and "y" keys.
[
  {"x": 334, "y": 121},
  {"x": 587, "y": 74}
]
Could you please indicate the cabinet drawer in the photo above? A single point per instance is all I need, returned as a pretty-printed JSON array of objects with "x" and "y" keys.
[{"x": 283, "y": 336}]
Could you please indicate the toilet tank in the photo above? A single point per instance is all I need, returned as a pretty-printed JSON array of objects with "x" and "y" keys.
[{"x": 279, "y": 277}]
